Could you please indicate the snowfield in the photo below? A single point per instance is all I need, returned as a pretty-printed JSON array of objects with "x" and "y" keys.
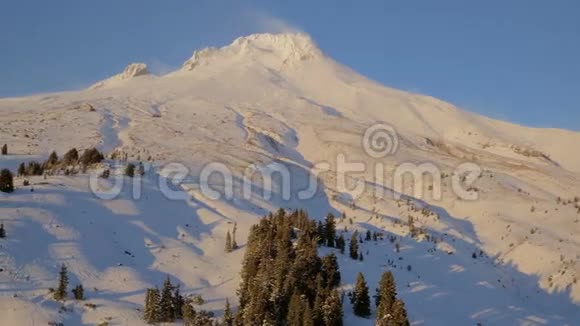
[{"x": 274, "y": 100}]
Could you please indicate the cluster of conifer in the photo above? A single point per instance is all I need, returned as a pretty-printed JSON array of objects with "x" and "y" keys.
[{"x": 285, "y": 283}]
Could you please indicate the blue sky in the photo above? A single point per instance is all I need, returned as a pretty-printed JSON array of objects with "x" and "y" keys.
[{"x": 516, "y": 60}]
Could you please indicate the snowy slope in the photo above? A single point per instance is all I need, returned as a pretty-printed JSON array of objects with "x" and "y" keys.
[{"x": 276, "y": 98}]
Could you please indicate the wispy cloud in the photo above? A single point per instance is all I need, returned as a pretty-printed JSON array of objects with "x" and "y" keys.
[
  {"x": 160, "y": 68},
  {"x": 266, "y": 22}
]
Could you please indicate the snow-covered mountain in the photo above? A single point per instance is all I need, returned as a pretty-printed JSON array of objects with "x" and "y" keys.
[{"x": 270, "y": 99}]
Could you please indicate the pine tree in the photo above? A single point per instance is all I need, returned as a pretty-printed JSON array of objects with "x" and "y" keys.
[
  {"x": 307, "y": 317},
  {"x": 234, "y": 243},
  {"x": 130, "y": 170},
  {"x": 2, "y": 231},
  {"x": 360, "y": 297},
  {"x": 151, "y": 312},
  {"x": 353, "y": 248},
  {"x": 6, "y": 181},
  {"x": 330, "y": 271},
  {"x": 71, "y": 157},
  {"x": 386, "y": 293},
  {"x": 188, "y": 314},
  {"x": 22, "y": 169},
  {"x": 60, "y": 293},
  {"x": 295, "y": 310},
  {"x": 228, "y": 314},
  {"x": 332, "y": 310},
  {"x": 368, "y": 236},
  {"x": 178, "y": 303},
  {"x": 340, "y": 243},
  {"x": 79, "y": 292},
  {"x": 91, "y": 156},
  {"x": 320, "y": 233},
  {"x": 52, "y": 160},
  {"x": 330, "y": 230},
  {"x": 228, "y": 242},
  {"x": 167, "y": 314},
  {"x": 5, "y": 149},
  {"x": 399, "y": 315}
]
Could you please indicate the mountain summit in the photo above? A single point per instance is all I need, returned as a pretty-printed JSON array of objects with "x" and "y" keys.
[{"x": 285, "y": 47}]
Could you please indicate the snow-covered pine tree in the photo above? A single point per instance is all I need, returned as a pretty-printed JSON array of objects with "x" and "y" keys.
[
  {"x": 21, "y": 169},
  {"x": 79, "y": 292},
  {"x": 330, "y": 230},
  {"x": 130, "y": 170},
  {"x": 228, "y": 314},
  {"x": 234, "y": 243},
  {"x": 6, "y": 181},
  {"x": 332, "y": 310},
  {"x": 61, "y": 290},
  {"x": 330, "y": 271},
  {"x": 340, "y": 243},
  {"x": 353, "y": 248},
  {"x": 228, "y": 242},
  {"x": 386, "y": 293},
  {"x": 151, "y": 310},
  {"x": 166, "y": 312},
  {"x": 178, "y": 302},
  {"x": 188, "y": 314},
  {"x": 360, "y": 297}
]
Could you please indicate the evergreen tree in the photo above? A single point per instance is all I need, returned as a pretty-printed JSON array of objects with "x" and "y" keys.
[
  {"x": 178, "y": 303},
  {"x": 166, "y": 312},
  {"x": 22, "y": 169},
  {"x": 360, "y": 297},
  {"x": 52, "y": 160},
  {"x": 234, "y": 243},
  {"x": 228, "y": 242},
  {"x": 6, "y": 181},
  {"x": 60, "y": 293},
  {"x": 330, "y": 271},
  {"x": 79, "y": 292},
  {"x": 151, "y": 313},
  {"x": 295, "y": 310},
  {"x": 34, "y": 168},
  {"x": 307, "y": 317},
  {"x": 340, "y": 243},
  {"x": 228, "y": 314},
  {"x": 399, "y": 315},
  {"x": 71, "y": 157},
  {"x": 368, "y": 236},
  {"x": 188, "y": 314},
  {"x": 332, "y": 310},
  {"x": 386, "y": 293},
  {"x": 5, "y": 149},
  {"x": 353, "y": 248},
  {"x": 130, "y": 170},
  {"x": 330, "y": 230},
  {"x": 2, "y": 231},
  {"x": 91, "y": 156},
  {"x": 320, "y": 233}
]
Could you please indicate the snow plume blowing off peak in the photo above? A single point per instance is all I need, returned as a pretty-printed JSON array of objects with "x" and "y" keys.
[{"x": 284, "y": 46}]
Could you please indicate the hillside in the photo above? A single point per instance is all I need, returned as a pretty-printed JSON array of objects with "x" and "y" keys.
[{"x": 276, "y": 101}]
